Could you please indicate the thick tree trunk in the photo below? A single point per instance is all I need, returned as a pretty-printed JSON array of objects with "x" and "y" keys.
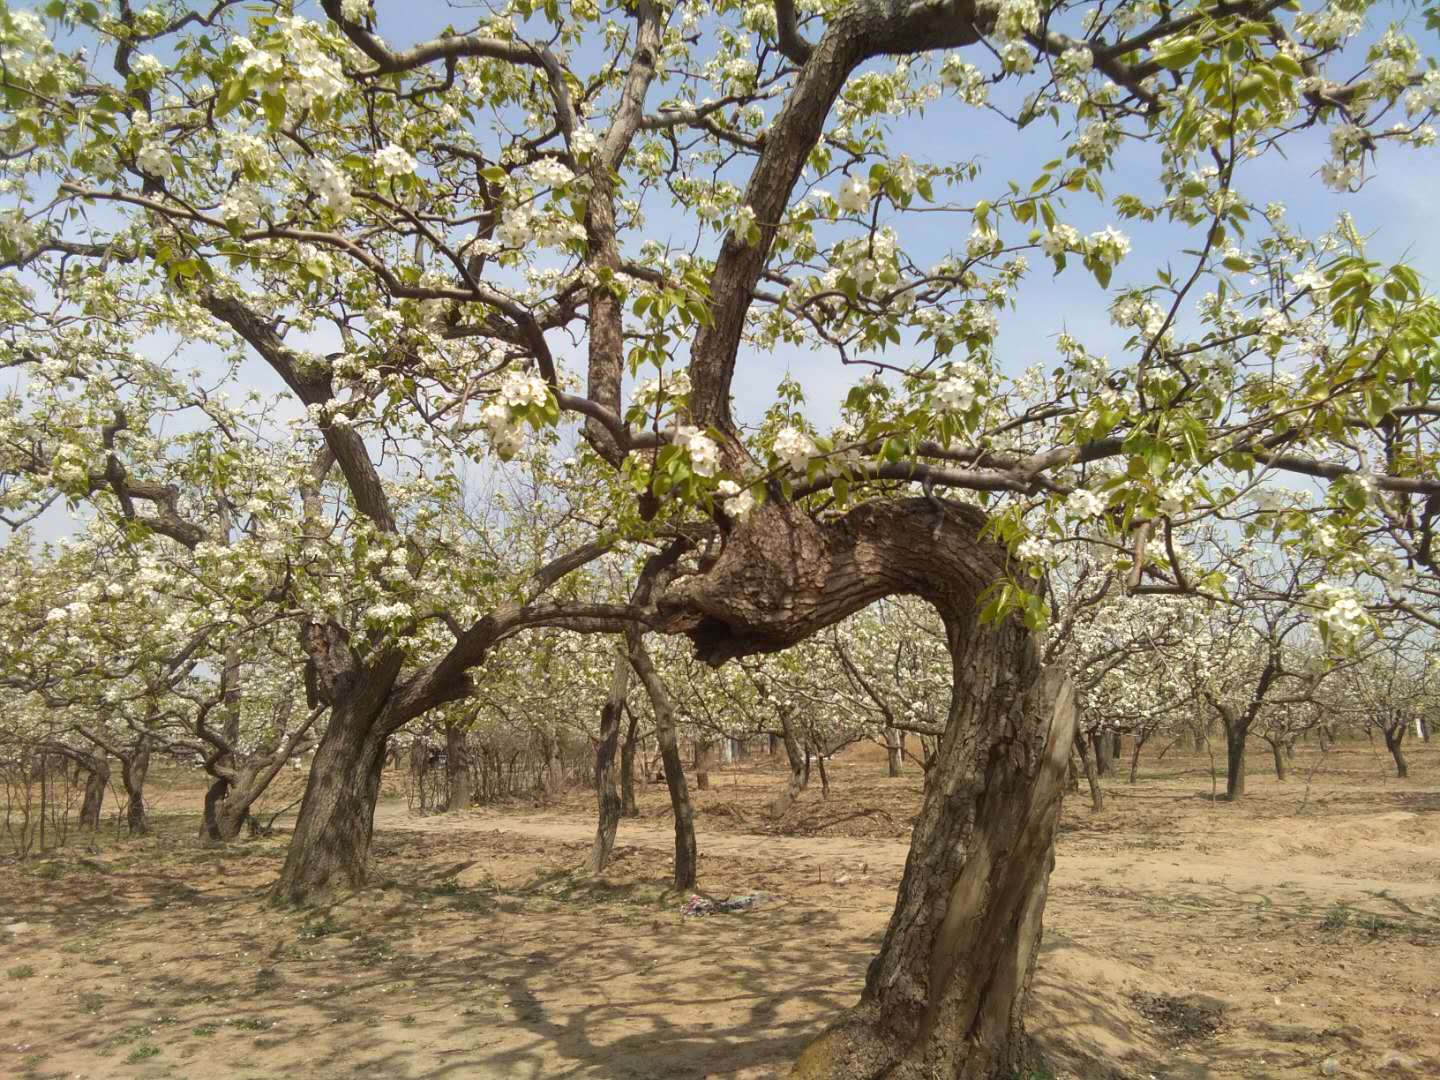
[
  {"x": 331, "y": 842},
  {"x": 892, "y": 752},
  {"x": 628, "y": 806},
  {"x": 97, "y": 777},
  {"x": 1281, "y": 770},
  {"x": 1117, "y": 749},
  {"x": 1394, "y": 743},
  {"x": 607, "y": 789},
  {"x": 457, "y": 769},
  {"x": 946, "y": 995}
]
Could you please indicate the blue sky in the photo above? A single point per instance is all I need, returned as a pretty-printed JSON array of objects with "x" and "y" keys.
[{"x": 1396, "y": 207}]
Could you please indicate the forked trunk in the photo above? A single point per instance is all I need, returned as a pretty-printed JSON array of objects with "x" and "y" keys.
[
  {"x": 1102, "y": 758},
  {"x": 607, "y": 790},
  {"x": 97, "y": 777},
  {"x": 331, "y": 843},
  {"x": 946, "y": 995},
  {"x": 1393, "y": 742},
  {"x": 686, "y": 858},
  {"x": 457, "y": 770},
  {"x": 133, "y": 770}
]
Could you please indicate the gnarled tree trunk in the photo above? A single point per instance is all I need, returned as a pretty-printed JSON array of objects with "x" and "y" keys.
[
  {"x": 945, "y": 996},
  {"x": 1277, "y": 750},
  {"x": 331, "y": 842}
]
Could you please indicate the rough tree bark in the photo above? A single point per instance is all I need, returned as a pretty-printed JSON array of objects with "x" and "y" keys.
[
  {"x": 945, "y": 995},
  {"x": 628, "y": 806},
  {"x": 687, "y": 862},
  {"x": 1102, "y": 757},
  {"x": 1117, "y": 747},
  {"x": 607, "y": 791},
  {"x": 97, "y": 778},
  {"x": 1277, "y": 750},
  {"x": 133, "y": 768},
  {"x": 703, "y": 755},
  {"x": 1394, "y": 740},
  {"x": 892, "y": 752},
  {"x": 1236, "y": 732},
  {"x": 457, "y": 769}
]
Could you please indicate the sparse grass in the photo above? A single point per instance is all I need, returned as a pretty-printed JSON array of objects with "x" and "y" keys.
[
  {"x": 20, "y": 971},
  {"x": 320, "y": 928},
  {"x": 91, "y": 1002},
  {"x": 49, "y": 871},
  {"x": 141, "y": 1052},
  {"x": 1337, "y": 918},
  {"x": 253, "y": 1023},
  {"x": 204, "y": 1031}
]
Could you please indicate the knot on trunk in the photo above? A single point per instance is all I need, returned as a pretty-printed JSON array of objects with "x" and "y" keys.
[{"x": 782, "y": 576}]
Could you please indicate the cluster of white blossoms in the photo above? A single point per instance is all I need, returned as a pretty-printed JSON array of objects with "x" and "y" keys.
[
  {"x": 355, "y": 10},
  {"x": 958, "y": 388},
  {"x": 520, "y": 389},
  {"x": 1345, "y": 168},
  {"x": 329, "y": 182},
  {"x": 244, "y": 204},
  {"x": 854, "y": 197},
  {"x": 148, "y": 69},
  {"x": 153, "y": 159},
  {"x": 1014, "y": 18},
  {"x": 318, "y": 77},
  {"x": 971, "y": 85},
  {"x": 394, "y": 160},
  {"x": 1074, "y": 62},
  {"x": 519, "y": 227},
  {"x": 1096, "y": 142},
  {"x": 652, "y": 391},
  {"x": 794, "y": 447},
  {"x": 1036, "y": 549},
  {"x": 1132, "y": 310},
  {"x": 1344, "y": 614},
  {"x": 1083, "y": 504},
  {"x": 704, "y": 452},
  {"x": 1108, "y": 245},
  {"x": 1060, "y": 239},
  {"x": 547, "y": 172},
  {"x": 26, "y": 53},
  {"x": 383, "y": 614},
  {"x": 738, "y": 501},
  {"x": 1175, "y": 494}
]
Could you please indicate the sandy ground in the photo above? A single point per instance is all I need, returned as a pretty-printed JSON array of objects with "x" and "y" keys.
[{"x": 1186, "y": 938}]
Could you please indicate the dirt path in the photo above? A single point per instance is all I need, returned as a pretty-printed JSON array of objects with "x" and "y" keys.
[{"x": 1185, "y": 940}]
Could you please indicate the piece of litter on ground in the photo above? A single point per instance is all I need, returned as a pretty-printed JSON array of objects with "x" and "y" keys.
[{"x": 703, "y": 905}]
